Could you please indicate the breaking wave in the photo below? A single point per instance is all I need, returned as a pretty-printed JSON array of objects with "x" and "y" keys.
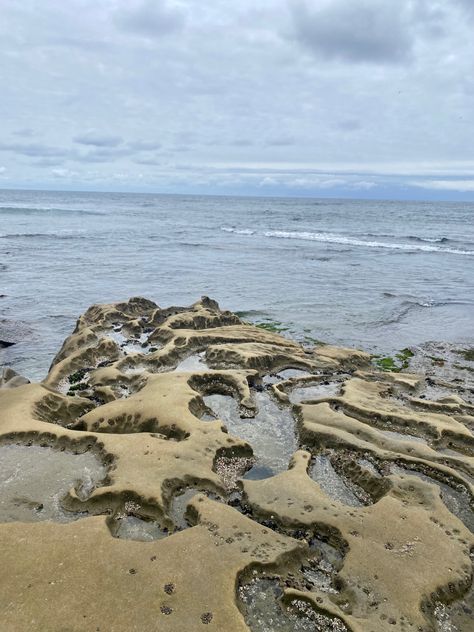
[
  {"x": 238, "y": 231},
  {"x": 333, "y": 238},
  {"x": 431, "y": 240}
]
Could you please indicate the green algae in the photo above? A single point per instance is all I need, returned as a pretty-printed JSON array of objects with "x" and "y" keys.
[
  {"x": 395, "y": 364},
  {"x": 467, "y": 354},
  {"x": 79, "y": 386},
  {"x": 272, "y": 325},
  {"x": 437, "y": 361},
  {"x": 77, "y": 376}
]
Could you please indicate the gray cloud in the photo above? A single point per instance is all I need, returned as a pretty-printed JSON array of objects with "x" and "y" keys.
[
  {"x": 467, "y": 6},
  {"x": 280, "y": 141},
  {"x": 180, "y": 148},
  {"x": 24, "y": 132},
  {"x": 147, "y": 161},
  {"x": 144, "y": 145},
  {"x": 364, "y": 31},
  {"x": 34, "y": 149},
  {"x": 242, "y": 142},
  {"x": 151, "y": 18},
  {"x": 97, "y": 139},
  {"x": 274, "y": 96},
  {"x": 47, "y": 162},
  {"x": 349, "y": 125},
  {"x": 103, "y": 154}
]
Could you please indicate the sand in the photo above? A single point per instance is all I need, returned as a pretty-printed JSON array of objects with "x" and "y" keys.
[{"x": 225, "y": 478}]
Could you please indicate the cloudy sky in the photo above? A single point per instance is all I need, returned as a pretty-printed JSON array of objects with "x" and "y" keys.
[{"x": 366, "y": 98}]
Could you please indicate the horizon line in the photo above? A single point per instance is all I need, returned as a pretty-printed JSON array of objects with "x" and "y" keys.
[{"x": 310, "y": 196}]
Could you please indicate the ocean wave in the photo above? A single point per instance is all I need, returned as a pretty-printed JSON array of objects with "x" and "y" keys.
[
  {"x": 432, "y": 240},
  {"x": 61, "y": 234},
  {"x": 333, "y": 238},
  {"x": 238, "y": 231},
  {"x": 408, "y": 306},
  {"x": 311, "y": 258},
  {"x": 405, "y": 308},
  {"x": 38, "y": 210},
  {"x": 192, "y": 244}
]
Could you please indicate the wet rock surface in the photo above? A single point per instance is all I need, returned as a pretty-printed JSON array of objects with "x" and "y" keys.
[
  {"x": 449, "y": 369},
  {"x": 173, "y": 454},
  {"x": 270, "y": 431},
  {"x": 34, "y": 482},
  {"x": 265, "y": 612}
]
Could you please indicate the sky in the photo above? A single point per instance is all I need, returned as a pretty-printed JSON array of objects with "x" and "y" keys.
[{"x": 326, "y": 98}]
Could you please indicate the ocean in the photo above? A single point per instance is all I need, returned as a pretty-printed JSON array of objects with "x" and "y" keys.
[{"x": 380, "y": 275}]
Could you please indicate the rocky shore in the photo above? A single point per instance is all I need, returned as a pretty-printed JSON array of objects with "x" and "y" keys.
[{"x": 179, "y": 469}]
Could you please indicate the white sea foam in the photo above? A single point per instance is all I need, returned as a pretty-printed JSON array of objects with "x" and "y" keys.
[
  {"x": 333, "y": 238},
  {"x": 238, "y": 231}
]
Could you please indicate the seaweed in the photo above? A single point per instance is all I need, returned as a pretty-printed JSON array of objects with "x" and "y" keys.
[
  {"x": 272, "y": 325},
  {"x": 77, "y": 376},
  {"x": 463, "y": 367},
  {"x": 400, "y": 362},
  {"x": 315, "y": 341},
  {"x": 79, "y": 386},
  {"x": 437, "y": 361},
  {"x": 467, "y": 354}
]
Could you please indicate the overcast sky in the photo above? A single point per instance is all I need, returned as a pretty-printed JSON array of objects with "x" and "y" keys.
[{"x": 359, "y": 98}]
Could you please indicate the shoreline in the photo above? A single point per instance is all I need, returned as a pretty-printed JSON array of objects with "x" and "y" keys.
[
  {"x": 282, "y": 470},
  {"x": 375, "y": 298},
  {"x": 28, "y": 348}
]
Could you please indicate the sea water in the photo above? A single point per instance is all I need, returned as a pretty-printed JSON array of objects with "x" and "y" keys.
[{"x": 378, "y": 275}]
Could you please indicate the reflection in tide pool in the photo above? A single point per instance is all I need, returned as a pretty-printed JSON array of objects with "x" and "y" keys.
[
  {"x": 315, "y": 391},
  {"x": 458, "y": 500},
  {"x": 330, "y": 482},
  {"x": 271, "y": 433},
  {"x": 194, "y": 362},
  {"x": 133, "y": 528}
]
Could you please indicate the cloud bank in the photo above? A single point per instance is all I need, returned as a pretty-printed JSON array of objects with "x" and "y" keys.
[{"x": 280, "y": 97}]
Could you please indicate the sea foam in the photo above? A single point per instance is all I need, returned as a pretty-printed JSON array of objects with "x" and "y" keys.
[
  {"x": 238, "y": 231},
  {"x": 333, "y": 238}
]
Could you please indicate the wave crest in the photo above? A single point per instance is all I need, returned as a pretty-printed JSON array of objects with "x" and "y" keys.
[
  {"x": 333, "y": 238},
  {"x": 238, "y": 231}
]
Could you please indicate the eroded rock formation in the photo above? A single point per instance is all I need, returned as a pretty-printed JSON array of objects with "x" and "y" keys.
[{"x": 226, "y": 477}]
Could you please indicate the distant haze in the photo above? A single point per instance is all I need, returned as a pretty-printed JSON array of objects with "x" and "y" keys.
[{"x": 336, "y": 98}]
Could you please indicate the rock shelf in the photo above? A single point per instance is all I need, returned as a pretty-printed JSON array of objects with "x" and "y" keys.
[{"x": 179, "y": 469}]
